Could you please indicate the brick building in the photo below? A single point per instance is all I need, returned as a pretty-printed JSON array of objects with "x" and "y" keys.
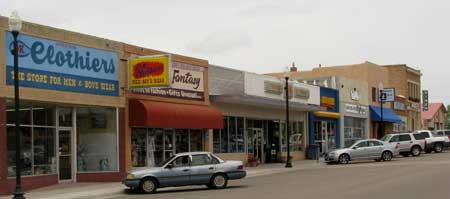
[{"x": 434, "y": 118}]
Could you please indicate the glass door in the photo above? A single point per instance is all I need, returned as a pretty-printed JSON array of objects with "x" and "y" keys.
[{"x": 65, "y": 155}]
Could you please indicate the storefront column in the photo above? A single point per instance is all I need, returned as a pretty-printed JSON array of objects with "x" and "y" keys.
[
  {"x": 209, "y": 140},
  {"x": 3, "y": 147}
]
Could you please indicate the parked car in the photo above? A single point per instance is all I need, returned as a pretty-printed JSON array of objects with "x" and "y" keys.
[
  {"x": 443, "y": 133},
  {"x": 195, "y": 168},
  {"x": 406, "y": 143},
  {"x": 433, "y": 142},
  {"x": 369, "y": 149}
]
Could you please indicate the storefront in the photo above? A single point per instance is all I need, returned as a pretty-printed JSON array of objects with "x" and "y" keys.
[
  {"x": 70, "y": 108},
  {"x": 254, "y": 115},
  {"x": 388, "y": 120},
  {"x": 168, "y": 120},
  {"x": 324, "y": 125},
  {"x": 400, "y": 110}
]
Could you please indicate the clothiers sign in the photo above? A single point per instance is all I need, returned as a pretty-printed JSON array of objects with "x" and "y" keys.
[
  {"x": 186, "y": 83},
  {"x": 55, "y": 65},
  {"x": 356, "y": 109},
  {"x": 149, "y": 71}
]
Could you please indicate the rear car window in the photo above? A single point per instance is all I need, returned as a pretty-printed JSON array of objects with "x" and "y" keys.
[
  {"x": 405, "y": 137},
  {"x": 419, "y": 136},
  {"x": 425, "y": 134},
  {"x": 447, "y": 132}
]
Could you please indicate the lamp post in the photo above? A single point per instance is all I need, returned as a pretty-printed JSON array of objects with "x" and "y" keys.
[
  {"x": 287, "y": 74},
  {"x": 15, "y": 25},
  {"x": 382, "y": 97}
]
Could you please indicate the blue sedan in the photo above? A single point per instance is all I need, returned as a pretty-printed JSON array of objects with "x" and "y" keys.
[{"x": 195, "y": 168}]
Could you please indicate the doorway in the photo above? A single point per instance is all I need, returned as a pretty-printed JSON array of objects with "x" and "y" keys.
[
  {"x": 256, "y": 143},
  {"x": 325, "y": 135},
  {"x": 65, "y": 155}
]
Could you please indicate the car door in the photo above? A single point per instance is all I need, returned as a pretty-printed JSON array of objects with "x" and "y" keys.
[
  {"x": 359, "y": 151},
  {"x": 395, "y": 139},
  {"x": 405, "y": 142},
  {"x": 375, "y": 148},
  {"x": 177, "y": 172},
  {"x": 202, "y": 168}
]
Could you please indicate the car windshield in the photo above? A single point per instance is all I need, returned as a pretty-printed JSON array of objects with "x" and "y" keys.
[
  {"x": 165, "y": 161},
  {"x": 385, "y": 138}
]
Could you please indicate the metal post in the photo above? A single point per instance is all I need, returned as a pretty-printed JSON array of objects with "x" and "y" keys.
[
  {"x": 381, "y": 110},
  {"x": 288, "y": 159},
  {"x": 18, "y": 194}
]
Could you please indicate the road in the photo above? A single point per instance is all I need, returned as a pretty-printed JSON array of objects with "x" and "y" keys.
[{"x": 427, "y": 176}]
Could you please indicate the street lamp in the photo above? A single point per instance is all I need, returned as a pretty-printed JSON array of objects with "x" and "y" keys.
[
  {"x": 382, "y": 98},
  {"x": 287, "y": 74},
  {"x": 15, "y": 25}
]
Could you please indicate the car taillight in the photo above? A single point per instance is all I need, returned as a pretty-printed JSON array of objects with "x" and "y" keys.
[
  {"x": 425, "y": 142},
  {"x": 240, "y": 167},
  {"x": 449, "y": 137}
]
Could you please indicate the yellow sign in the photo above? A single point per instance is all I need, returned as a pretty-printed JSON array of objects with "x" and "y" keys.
[{"x": 151, "y": 71}]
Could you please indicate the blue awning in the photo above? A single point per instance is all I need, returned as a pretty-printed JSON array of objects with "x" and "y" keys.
[{"x": 388, "y": 115}]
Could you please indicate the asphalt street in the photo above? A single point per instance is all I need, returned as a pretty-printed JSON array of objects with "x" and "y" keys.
[{"x": 427, "y": 176}]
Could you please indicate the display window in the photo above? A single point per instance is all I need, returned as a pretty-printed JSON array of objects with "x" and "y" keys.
[{"x": 354, "y": 130}]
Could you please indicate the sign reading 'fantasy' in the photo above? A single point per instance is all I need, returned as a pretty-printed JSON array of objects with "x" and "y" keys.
[
  {"x": 186, "y": 82},
  {"x": 55, "y": 65}
]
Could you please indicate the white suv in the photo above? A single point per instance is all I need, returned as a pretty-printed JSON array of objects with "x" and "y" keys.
[
  {"x": 434, "y": 142},
  {"x": 406, "y": 143}
]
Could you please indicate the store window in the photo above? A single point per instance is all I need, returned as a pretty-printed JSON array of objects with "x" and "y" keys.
[
  {"x": 354, "y": 130},
  {"x": 97, "y": 139},
  {"x": 37, "y": 131},
  {"x": 296, "y": 137},
  {"x": 230, "y": 139},
  {"x": 151, "y": 146}
]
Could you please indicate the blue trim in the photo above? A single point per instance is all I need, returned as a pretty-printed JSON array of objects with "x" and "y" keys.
[{"x": 312, "y": 119}]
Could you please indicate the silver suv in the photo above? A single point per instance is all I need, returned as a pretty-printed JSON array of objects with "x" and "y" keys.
[{"x": 406, "y": 143}]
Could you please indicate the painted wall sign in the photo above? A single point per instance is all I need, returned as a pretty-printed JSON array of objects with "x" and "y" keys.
[
  {"x": 354, "y": 95},
  {"x": 55, "y": 65},
  {"x": 186, "y": 83},
  {"x": 149, "y": 71},
  {"x": 273, "y": 87},
  {"x": 356, "y": 109},
  {"x": 302, "y": 93}
]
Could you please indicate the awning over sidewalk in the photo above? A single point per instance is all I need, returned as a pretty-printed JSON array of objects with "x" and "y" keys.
[
  {"x": 388, "y": 115},
  {"x": 170, "y": 115}
]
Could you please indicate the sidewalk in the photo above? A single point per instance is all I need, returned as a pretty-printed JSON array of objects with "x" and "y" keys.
[{"x": 97, "y": 190}]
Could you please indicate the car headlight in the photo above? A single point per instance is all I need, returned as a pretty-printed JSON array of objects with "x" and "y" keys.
[{"x": 130, "y": 176}]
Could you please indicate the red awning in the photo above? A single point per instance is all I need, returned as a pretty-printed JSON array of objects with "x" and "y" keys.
[{"x": 171, "y": 115}]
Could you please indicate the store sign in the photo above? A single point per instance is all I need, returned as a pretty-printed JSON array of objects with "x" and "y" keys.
[
  {"x": 356, "y": 109},
  {"x": 425, "y": 100},
  {"x": 273, "y": 87},
  {"x": 56, "y": 65},
  {"x": 414, "y": 106},
  {"x": 301, "y": 93},
  {"x": 149, "y": 71},
  {"x": 328, "y": 102},
  {"x": 399, "y": 106},
  {"x": 186, "y": 83},
  {"x": 388, "y": 95}
]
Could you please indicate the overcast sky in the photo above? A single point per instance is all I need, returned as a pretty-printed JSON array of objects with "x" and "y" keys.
[{"x": 266, "y": 35}]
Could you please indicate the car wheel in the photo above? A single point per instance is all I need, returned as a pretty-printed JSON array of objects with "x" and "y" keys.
[
  {"x": 415, "y": 151},
  {"x": 219, "y": 181},
  {"x": 344, "y": 159},
  {"x": 148, "y": 185},
  {"x": 438, "y": 148},
  {"x": 386, "y": 156}
]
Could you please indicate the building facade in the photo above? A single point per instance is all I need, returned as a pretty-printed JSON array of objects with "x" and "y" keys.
[
  {"x": 407, "y": 82},
  {"x": 376, "y": 76},
  {"x": 254, "y": 113},
  {"x": 70, "y": 107},
  {"x": 435, "y": 117}
]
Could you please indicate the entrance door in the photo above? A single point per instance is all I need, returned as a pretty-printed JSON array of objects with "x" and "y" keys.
[
  {"x": 65, "y": 155},
  {"x": 325, "y": 135},
  {"x": 257, "y": 138}
]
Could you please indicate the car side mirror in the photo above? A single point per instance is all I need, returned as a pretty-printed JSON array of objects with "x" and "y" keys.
[{"x": 354, "y": 148}]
